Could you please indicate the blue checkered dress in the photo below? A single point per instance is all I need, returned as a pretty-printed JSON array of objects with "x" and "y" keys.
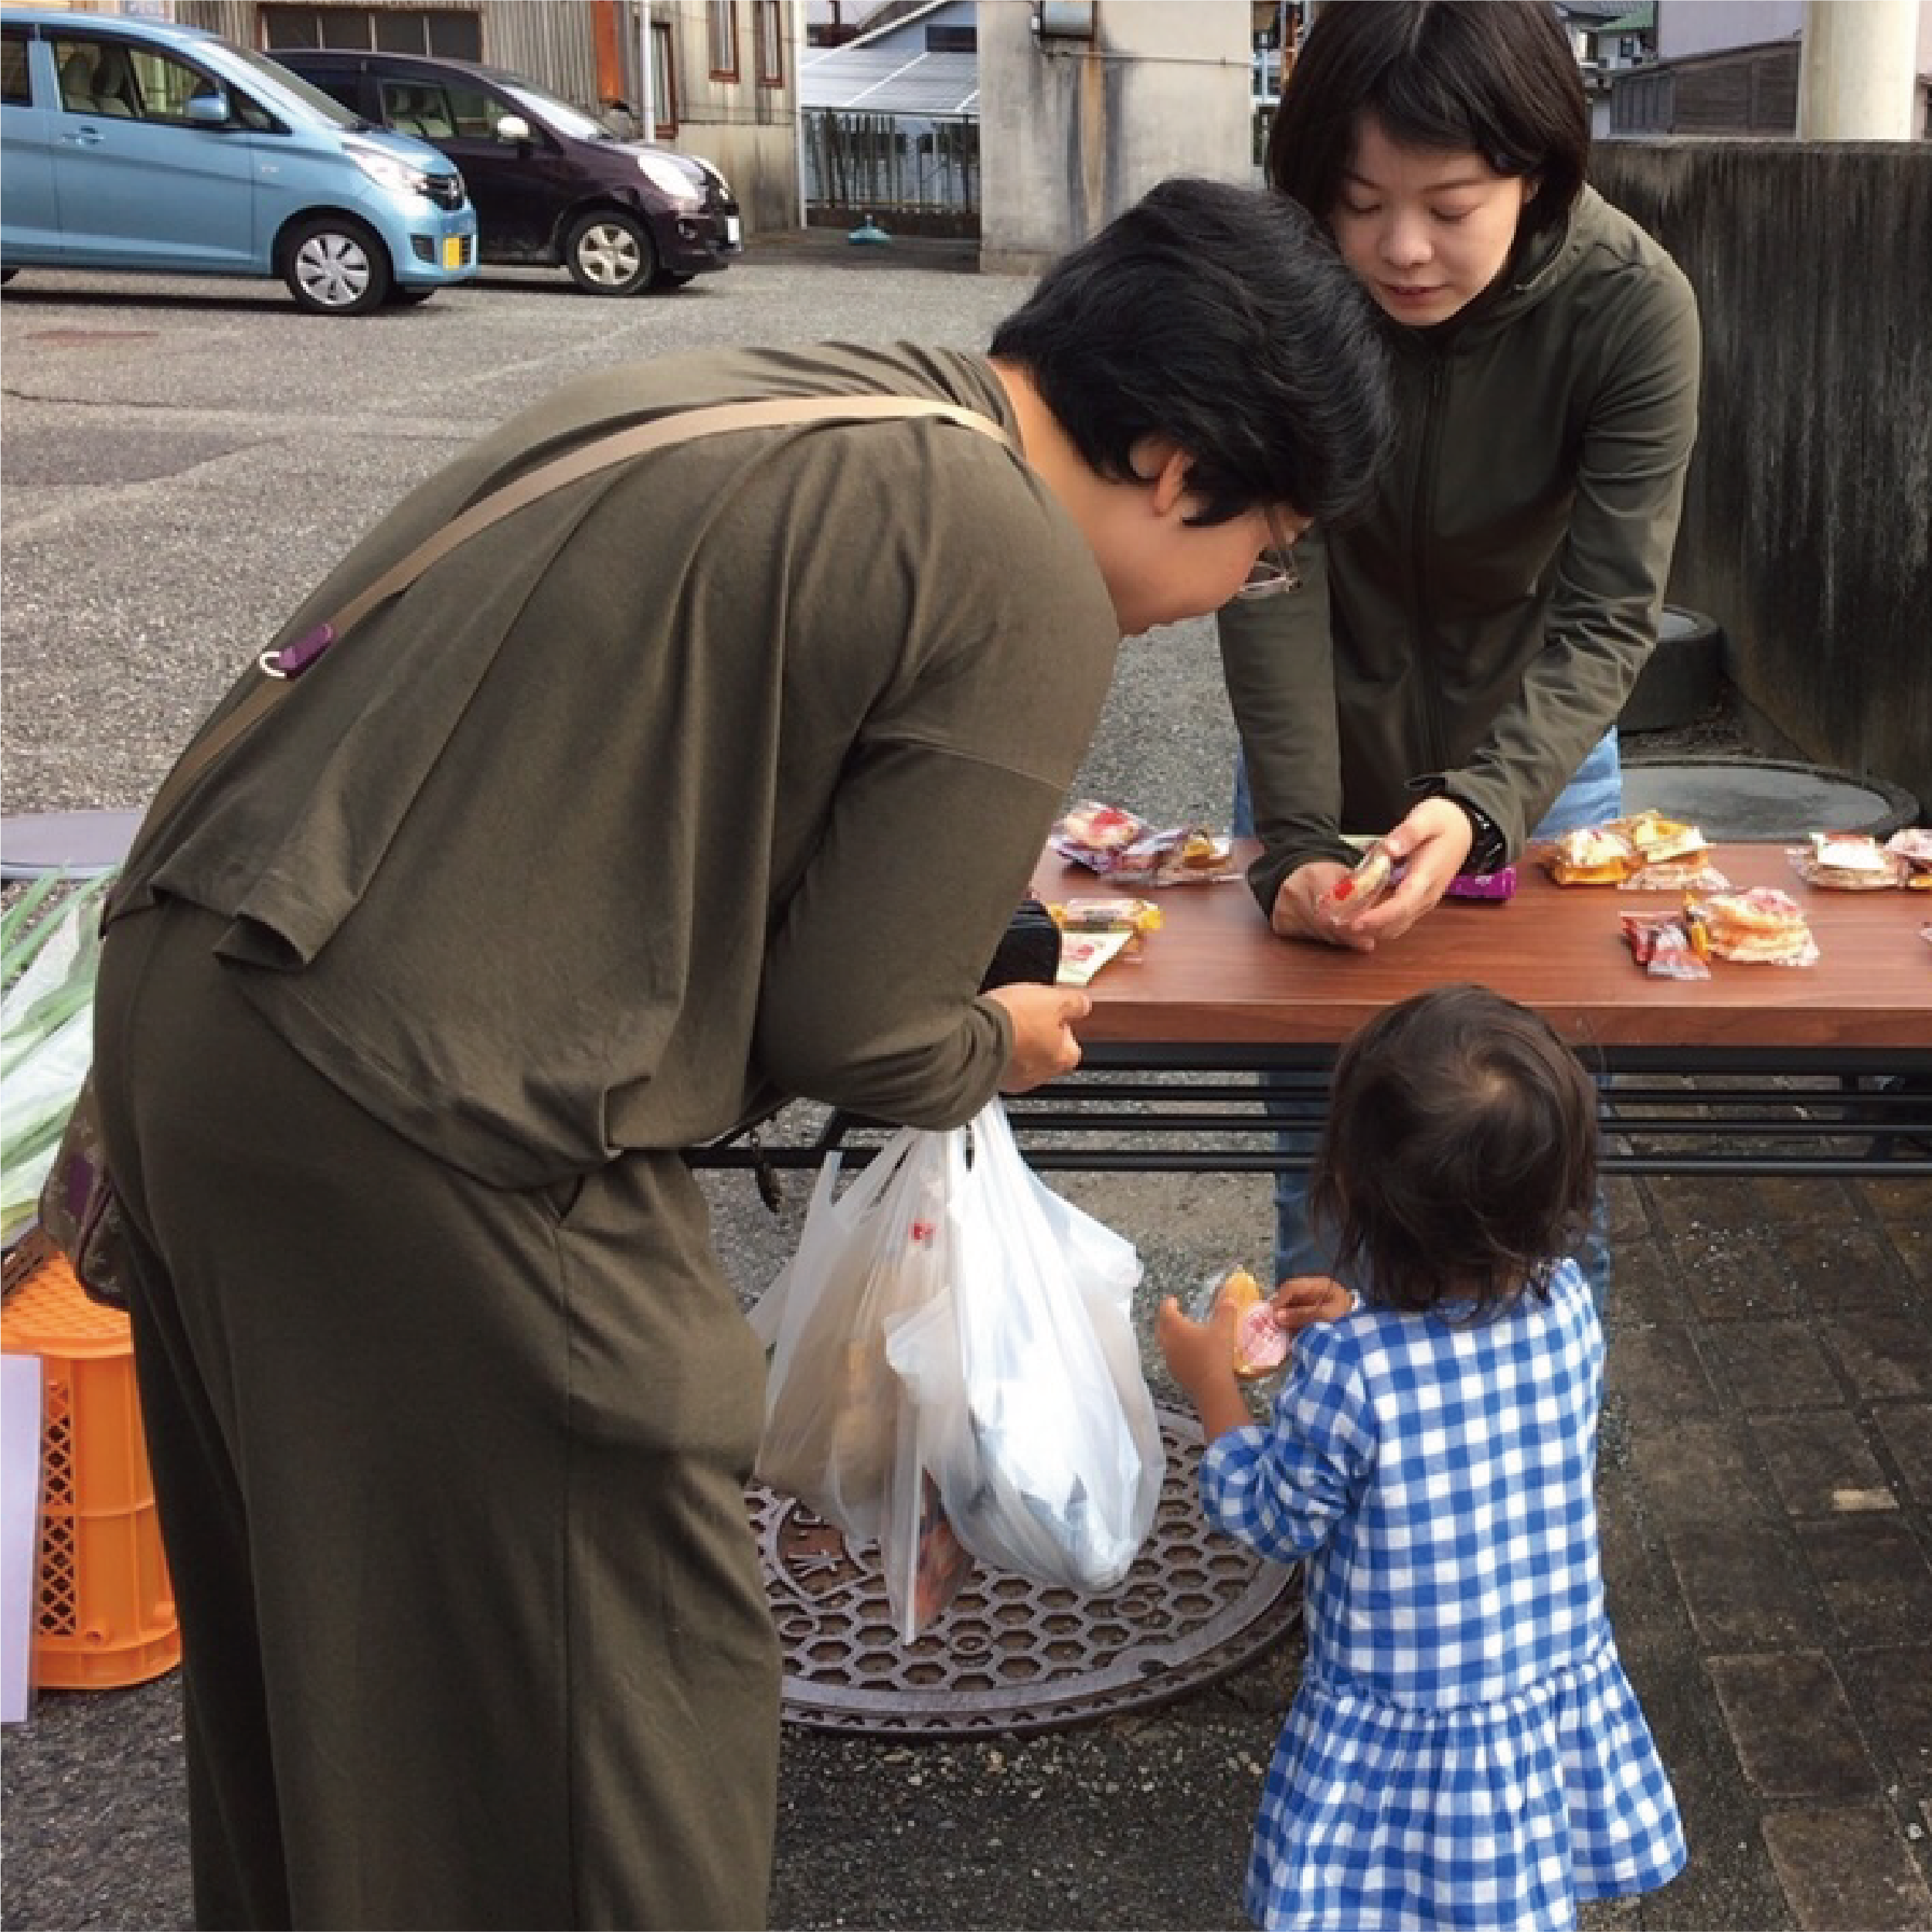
[{"x": 1465, "y": 1749}]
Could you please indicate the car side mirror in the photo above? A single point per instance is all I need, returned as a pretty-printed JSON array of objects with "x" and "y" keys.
[
  {"x": 208, "y": 107},
  {"x": 512, "y": 127}
]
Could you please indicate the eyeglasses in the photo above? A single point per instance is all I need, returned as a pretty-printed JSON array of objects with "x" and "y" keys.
[{"x": 1275, "y": 573}]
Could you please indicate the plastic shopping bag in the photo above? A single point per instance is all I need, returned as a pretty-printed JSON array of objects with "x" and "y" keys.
[
  {"x": 1031, "y": 1414},
  {"x": 832, "y": 1404}
]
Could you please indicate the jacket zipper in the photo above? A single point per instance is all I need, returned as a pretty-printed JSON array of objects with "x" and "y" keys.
[{"x": 1421, "y": 502}]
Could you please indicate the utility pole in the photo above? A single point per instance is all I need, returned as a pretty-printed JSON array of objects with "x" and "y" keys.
[
  {"x": 647, "y": 78},
  {"x": 1856, "y": 71}
]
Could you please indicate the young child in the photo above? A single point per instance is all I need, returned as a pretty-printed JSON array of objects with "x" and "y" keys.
[{"x": 1465, "y": 1749}]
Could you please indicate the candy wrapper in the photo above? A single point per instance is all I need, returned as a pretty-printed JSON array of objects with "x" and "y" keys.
[
  {"x": 1848, "y": 861},
  {"x": 1126, "y": 851},
  {"x": 1914, "y": 845},
  {"x": 1261, "y": 1343},
  {"x": 1483, "y": 885},
  {"x": 1763, "y": 926},
  {"x": 1083, "y": 954},
  {"x": 1117, "y": 915},
  {"x": 1668, "y": 946},
  {"x": 1371, "y": 879},
  {"x": 1646, "y": 852}
]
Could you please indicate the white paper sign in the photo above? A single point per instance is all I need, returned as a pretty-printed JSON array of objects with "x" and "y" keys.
[{"x": 20, "y": 1452}]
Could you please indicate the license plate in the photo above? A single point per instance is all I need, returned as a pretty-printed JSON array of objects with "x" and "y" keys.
[
  {"x": 453, "y": 251},
  {"x": 732, "y": 233}
]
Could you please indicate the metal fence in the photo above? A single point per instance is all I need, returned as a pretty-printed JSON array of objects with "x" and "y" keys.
[{"x": 920, "y": 172}]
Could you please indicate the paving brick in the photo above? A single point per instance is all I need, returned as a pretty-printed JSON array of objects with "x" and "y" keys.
[
  {"x": 1736, "y": 1273},
  {"x": 1825, "y": 1758},
  {"x": 1905, "y": 1428},
  {"x": 1906, "y": 1201},
  {"x": 1912, "y": 1242},
  {"x": 1846, "y": 1264},
  {"x": 1659, "y": 1376},
  {"x": 1884, "y": 1352},
  {"x": 1694, "y": 1204},
  {"x": 1891, "y": 1687},
  {"x": 1874, "y": 1577},
  {"x": 1772, "y": 1364},
  {"x": 1806, "y": 1198},
  {"x": 1821, "y": 1464},
  {"x": 1742, "y": 1589},
  {"x": 1644, "y": 1287},
  {"x": 1697, "y": 1472},
  {"x": 1847, "y": 1869}
]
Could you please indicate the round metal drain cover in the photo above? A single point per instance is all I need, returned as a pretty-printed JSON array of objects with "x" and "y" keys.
[{"x": 1012, "y": 1655}]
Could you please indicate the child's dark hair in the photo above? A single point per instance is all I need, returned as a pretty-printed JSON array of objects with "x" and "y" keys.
[
  {"x": 1459, "y": 1162},
  {"x": 1222, "y": 319},
  {"x": 1498, "y": 78}
]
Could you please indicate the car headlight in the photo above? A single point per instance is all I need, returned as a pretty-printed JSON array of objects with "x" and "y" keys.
[
  {"x": 389, "y": 171},
  {"x": 667, "y": 177}
]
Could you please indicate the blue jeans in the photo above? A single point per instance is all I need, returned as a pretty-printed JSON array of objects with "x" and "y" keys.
[{"x": 1596, "y": 792}]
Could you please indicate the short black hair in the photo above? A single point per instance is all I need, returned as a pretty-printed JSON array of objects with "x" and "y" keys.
[
  {"x": 1497, "y": 78},
  {"x": 1459, "y": 1160},
  {"x": 1223, "y": 319}
]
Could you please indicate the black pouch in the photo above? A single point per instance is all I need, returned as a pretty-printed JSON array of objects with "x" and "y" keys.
[{"x": 1030, "y": 950}]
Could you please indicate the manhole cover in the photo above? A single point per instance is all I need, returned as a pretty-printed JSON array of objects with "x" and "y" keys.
[{"x": 1011, "y": 1655}]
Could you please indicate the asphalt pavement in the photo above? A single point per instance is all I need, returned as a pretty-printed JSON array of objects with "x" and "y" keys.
[{"x": 178, "y": 461}]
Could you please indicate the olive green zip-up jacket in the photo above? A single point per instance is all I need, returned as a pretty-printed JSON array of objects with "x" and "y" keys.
[{"x": 1482, "y": 622}]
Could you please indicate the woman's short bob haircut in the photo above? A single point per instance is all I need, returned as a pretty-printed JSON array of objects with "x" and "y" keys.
[
  {"x": 1459, "y": 1164},
  {"x": 1496, "y": 78}
]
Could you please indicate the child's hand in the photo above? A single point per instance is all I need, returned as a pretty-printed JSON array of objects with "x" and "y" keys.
[
  {"x": 1200, "y": 1357},
  {"x": 1304, "y": 1299}
]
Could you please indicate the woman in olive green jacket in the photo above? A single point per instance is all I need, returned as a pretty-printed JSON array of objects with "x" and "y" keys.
[{"x": 1451, "y": 672}]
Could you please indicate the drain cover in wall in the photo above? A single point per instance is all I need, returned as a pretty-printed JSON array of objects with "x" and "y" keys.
[{"x": 1011, "y": 1655}]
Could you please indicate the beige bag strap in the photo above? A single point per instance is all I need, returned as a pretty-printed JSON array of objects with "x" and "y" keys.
[{"x": 283, "y": 667}]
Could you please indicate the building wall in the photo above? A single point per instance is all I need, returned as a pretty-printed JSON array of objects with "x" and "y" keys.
[
  {"x": 1807, "y": 524},
  {"x": 1074, "y": 132},
  {"x": 1685, "y": 27}
]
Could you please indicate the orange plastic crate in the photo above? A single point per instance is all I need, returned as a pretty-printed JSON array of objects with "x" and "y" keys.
[{"x": 105, "y": 1611}]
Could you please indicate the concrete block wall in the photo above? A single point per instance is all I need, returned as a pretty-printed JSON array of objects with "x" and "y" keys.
[{"x": 1807, "y": 524}]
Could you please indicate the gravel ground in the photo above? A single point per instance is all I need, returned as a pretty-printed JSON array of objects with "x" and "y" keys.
[{"x": 180, "y": 461}]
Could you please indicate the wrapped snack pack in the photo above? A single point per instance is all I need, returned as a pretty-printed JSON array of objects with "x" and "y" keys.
[
  {"x": 1763, "y": 926},
  {"x": 1914, "y": 845},
  {"x": 1591, "y": 856},
  {"x": 1646, "y": 852},
  {"x": 1669, "y": 945},
  {"x": 1850, "y": 861},
  {"x": 1094, "y": 931},
  {"x": 1373, "y": 875},
  {"x": 1497, "y": 885},
  {"x": 1261, "y": 1343},
  {"x": 1126, "y": 850}
]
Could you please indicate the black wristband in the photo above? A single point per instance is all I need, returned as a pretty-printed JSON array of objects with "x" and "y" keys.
[{"x": 1488, "y": 849}]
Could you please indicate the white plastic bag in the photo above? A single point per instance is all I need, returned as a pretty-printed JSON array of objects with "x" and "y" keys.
[
  {"x": 831, "y": 1403},
  {"x": 1033, "y": 1416}
]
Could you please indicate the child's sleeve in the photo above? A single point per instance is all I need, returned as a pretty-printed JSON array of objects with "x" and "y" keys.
[{"x": 1282, "y": 1487}]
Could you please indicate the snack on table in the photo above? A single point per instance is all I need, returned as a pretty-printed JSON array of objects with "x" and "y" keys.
[
  {"x": 1914, "y": 845},
  {"x": 1497, "y": 884},
  {"x": 1083, "y": 954},
  {"x": 1762, "y": 926},
  {"x": 1659, "y": 840},
  {"x": 1129, "y": 852},
  {"x": 1669, "y": 945},
  {"x": 1591, "y": 856},
  {"x": 1851, "y": 862},
  {"x": 1098, "y": 915}
]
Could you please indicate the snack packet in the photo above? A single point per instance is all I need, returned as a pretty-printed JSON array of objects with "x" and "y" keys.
[
  {"x": 1117, "y": 915},
  {"x": 1668, "y": 946},
  {"x": 1083, "y": 954},
  {"x": 1913, "y": 844},
  {"x": 1850, "y": 861},
  {"x": 1762, "y": 927},
  {"x": 1261, "y": 1343},
  {"x": 1373, "y": 875},
  {"x": 1499, "y": 885},
  {"x": 1126, "y": 850}
]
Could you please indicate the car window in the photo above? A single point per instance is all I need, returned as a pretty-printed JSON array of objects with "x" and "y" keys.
[
  {"x": 476, "y": 110},
  {"x": 14, "y": 90},
  {"x": 420, "y": 108}
]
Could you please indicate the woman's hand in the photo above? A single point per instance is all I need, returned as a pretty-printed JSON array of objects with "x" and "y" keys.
[
  {"x": 1431, "y": 845},
  {"x": 1043, "y": 1043}
]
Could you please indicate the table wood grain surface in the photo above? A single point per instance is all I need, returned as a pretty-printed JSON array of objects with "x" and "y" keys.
[{"x": 1213, "y": 975}]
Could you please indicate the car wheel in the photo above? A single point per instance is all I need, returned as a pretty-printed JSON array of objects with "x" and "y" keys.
[
  {"x": 609, "y": 253},
  {"x": 333, "y": 266}
]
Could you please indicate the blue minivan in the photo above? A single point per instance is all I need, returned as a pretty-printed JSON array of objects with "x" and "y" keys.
[{"x": 132, "y": 144}]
